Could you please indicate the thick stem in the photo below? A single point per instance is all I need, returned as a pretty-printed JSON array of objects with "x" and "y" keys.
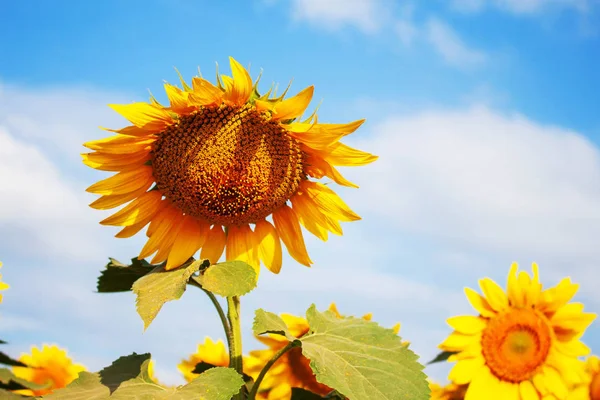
[
  {"x": 235, "y": 346},
  {"x": 268, "y": 365},
  {"x": 219, "y": 309}
]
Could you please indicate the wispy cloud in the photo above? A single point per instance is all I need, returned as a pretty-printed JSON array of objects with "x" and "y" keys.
[
  {"x": 451, "y": 46},
  {"x": 367, "y": 15},
  {"x": 519, "y": 6}
]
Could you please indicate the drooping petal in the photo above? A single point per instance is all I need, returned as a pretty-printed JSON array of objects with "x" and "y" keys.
[
  {"x": 190, "y": 238},
  {"x": 241, "y": 246},
  {"x": 164, "y": 234},
  {"x": 131, "y": 230},
  {"x": 143, "y": 115},
  {"x": 312, "y": 218},
  {"x": 328, "y": 201},
  {"x": 214, "y": 245},
  {"x": 269, "y": 245},
  {"x": 317, "y": 168},
  {"x": 288, "y": 228}
]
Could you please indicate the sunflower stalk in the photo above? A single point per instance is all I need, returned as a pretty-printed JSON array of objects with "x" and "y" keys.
[
  {"x": 268, "y": 365},
  {"x": 235, "y": 341}
]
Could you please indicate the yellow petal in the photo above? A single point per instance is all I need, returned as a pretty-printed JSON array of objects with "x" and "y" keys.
[
  {"x": 321, "y": 136},
  {"x": 241, "y": 246},
  {"x": 494, "y": 294},
  {"x": 269, "y": 245},
  {"x": 141, "y": 209},
  {"x": 144, "y": 115},
  {"x": 111, "y": 201},
  {"x": 130, "y": 131},
  {"x": 318, "y": 167},
  {"x": 312, "y": 218},
  {"x": 467, "y": 324},
  {"x": 458, "y": 341},
  {"x": 571, "y": 317},
  {"x": 396, "y": 328},
  {"x": 463, "y": 372},
  {"x": 190, "y": 238},
  {"x": 527, "y": 391},
  {"x": 288, "y": 228},
  {"x": 131, "y": 230},
  {"x": 123, "y": 182},
  {"x": 554, "y": 382},
  {"x": 343, "y": 155},
  {"x": 241, "y": 87},
  {"x": 165, "y": 233},
  {"x": 294, "y": 106},
  {"x": 120, "y": 144},
  {"x": 554, "y": 298},
  {"x": 205, "y": 93},
  {"x": 333, "y": 308},
  {"x": 483, "y": 386},
  {"x": 214, "y": 245},
  {"x": 179, "y": 100},
  {"x": 479, "y": 303},
  {"x": 328, "y": 202},
  {"x": 115, "y": 162}
]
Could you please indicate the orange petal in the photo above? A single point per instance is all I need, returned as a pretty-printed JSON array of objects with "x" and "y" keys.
[
  {"x": 318, "y": 167},
  {"x": 120, "y": 144},
  {"x": 190, "y": 238},
  {"x": 328, "y": 202},
  {"x": 141, "y": 209},
  {"x": 269, "y": 245},
  {"x": 241, "y": 246},
  {"x": 344, "y": 155},
  {"x": 288, "y": 228},
  {"x": 241, "y": 86},
  {"x": 179, "y": 100},
  {"x": 123, "y": 182},
  {"x": 165, "y": 233},
  {"x": 115, "y": 162},
  {"x": 111, "y": 201},
  {"x": 214, "y": 245},
  {"x": 205, "y": 93}
]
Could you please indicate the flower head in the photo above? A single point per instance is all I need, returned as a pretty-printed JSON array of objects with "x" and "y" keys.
[
  {"x": 48, "y": 365},
  {"x": 451, "y": 391},
  {"x": 525, "y": 342},
  {"x": 209, "y": 352},
  {"x": 293, "y": 368},
  {"x": 589, "y": 389},
  {"x": 207, "y": 171}
]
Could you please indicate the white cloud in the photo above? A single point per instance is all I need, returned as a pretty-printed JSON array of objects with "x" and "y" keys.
[
  {"x": 406, "y": 31},
  {"x": 367, "y": 15},
  {"x": 451, "y": 47},
  {"x": 519, "y": 6},
  {"x": 488, "y": 181}
]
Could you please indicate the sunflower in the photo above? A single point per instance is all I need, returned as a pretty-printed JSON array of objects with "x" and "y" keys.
[
  {"x": 3, "y": 286},
  {"x": 218, "y": 161},
  {"x": 589, "y": 389},
  {"x": 524, "y": 343},
  {"x": 293, "y": 368},
  {"x": 50, "y": 365},
  {"x": 209, "y": 352},
  {"x": 452, "y": 391}
]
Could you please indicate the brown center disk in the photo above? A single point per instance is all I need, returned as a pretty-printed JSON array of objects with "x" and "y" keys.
[
  {"x": 227, "y": 165},
  {"x": 515, "y": 344}
]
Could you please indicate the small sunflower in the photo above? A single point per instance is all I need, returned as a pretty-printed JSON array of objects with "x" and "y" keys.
[
  {"x": 210, "y": 352},
  {"x": 452, "y": 391},
  {"x": 589, "y": 389},
  {"x": 218, "y": 161},
  {"x": 50, "y": 365},
  {"x": 524, "y": 344},
  {"x": 293, "y": 368},
  {"x": 3, "y": 285}
]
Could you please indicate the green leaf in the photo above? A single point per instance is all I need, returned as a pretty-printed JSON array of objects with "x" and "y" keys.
[
  {"x": 6, "y": 360},
  {"x": 124, "y": 369},
  {"x": 118, "y": 277},
  {"x": 87, "y": 386},
  {"x": 443, "y": 356},
  {"x": 362, "y": 360},
  {"x": 9, "y": 381},
  {"x": 160, "y": 286},
  {"x": 228, "y": 279},
  {"x": 215, "y": 384},
  {"x": 267, "y": 322}
]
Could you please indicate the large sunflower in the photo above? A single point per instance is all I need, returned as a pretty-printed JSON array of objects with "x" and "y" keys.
[
  {"x": 293, "y": 368},
  {"x": 589, "y": 389},
  {"x": 218, "y": 160},
  {"x": 49, "y": 365},
  {"x": 523, "y": 345}
]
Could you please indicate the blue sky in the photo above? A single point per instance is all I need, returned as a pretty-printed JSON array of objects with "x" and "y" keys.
[{"x": 484, "y": 113}]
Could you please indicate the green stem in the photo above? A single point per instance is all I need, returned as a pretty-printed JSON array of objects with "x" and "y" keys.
[
  {"x": 217, "y": 305},
  {"x": 235, "y": 346},
  {"x": 268, "y": 365}
]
